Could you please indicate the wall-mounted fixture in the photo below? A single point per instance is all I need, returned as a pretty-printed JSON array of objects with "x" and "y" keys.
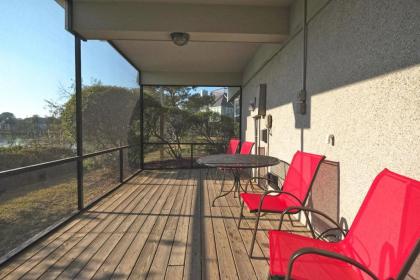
[
  {"x": 301, "y": 102},
  {"x": 269, "y": 122},
  {"x": 262, "y": 100},
  {"x": 331, "y": 139},
  {"x": 252, "y": 105},
  {"x": 180, "y": 38}
]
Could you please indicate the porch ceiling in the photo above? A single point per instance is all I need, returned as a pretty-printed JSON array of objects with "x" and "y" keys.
[
  {"x": 273, "y": 3},
  {"x": 224, "y": 35}
]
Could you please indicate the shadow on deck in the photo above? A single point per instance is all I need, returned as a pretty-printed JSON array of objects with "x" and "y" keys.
[{"x": 159, "y": 225}]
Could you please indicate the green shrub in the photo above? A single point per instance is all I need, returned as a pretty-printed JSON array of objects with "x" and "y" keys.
[{"x": 19, "y": 156}]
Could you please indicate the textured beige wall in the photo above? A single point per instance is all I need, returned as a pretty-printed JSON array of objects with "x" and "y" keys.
[{"x": 363, "y": 87}]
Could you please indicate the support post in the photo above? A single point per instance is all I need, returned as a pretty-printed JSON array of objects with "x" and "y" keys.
[
  {"x": 79, "y": 124},
  {"x": 192, "y": 156},
  {"x": 141, "y": 126},
  {"x": 121, "y": 153},
  {"x": 240, "y": 114}
]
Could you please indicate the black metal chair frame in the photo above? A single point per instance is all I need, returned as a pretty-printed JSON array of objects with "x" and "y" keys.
[
  {"x": 333, "y": 255},
  {"x": 259, "y": 211}
]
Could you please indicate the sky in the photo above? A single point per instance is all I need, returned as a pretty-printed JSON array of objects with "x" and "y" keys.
[{"x": 37, "y": 58}]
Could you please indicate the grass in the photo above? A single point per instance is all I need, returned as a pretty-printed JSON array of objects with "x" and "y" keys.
[
  {"x": 24, "y": 216},
  {"x": 27, "y": 210}
]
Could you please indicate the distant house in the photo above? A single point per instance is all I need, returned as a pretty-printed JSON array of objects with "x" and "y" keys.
[{"x": 221, "y": 104}]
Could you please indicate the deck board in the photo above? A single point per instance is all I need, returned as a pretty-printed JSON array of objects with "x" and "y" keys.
[
  {"x": 159, "y": 225},
  {"x": 73, "y": 260},
  {"x": 66, "y": 240},
  {"x": 58, "y": 238}
]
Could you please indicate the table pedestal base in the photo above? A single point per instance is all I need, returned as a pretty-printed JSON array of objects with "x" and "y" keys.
[{"x": 236, "y": 188}]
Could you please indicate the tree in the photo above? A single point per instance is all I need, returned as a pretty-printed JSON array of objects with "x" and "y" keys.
[
  {"x": 173, "y": 115},
  {"x": 55, "y": 135},
  {"x": 174, "y": 96},
  {"x": 202, "y": 125},
  {"x": 107, "y": 115},
  {"x": 199, "y": 103},
  {"x": 7, "y": 120},
  {"x": 8, "y": 123}
]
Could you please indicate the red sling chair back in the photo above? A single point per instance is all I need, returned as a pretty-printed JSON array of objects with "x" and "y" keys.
[
  {"x": 231, "y": 150},
  {"x": 296, "y": 186},
  {"x": 295, "y": 191},
  {"x": 385, "y": 232},
  {"x": 246, "y": 148},
  {"x": 300, "y": 175},
  {"x": 233, "y": 146},
  {"x": 387, "y": 225}
]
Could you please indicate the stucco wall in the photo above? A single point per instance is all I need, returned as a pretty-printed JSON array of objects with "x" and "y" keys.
[{"x": 363, "y": 87}]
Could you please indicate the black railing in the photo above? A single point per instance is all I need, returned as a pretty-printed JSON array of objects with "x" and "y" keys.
[
  {"x": 185, "y": 160},
  {"x": 34, "y": 167},
  {"x": 39, "y": 166},
  {"x": 123, "y": 177}
]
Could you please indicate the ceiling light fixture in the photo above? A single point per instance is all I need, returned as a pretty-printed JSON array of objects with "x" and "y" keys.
[
  {"x": 180, "y": 38},
  {"x": 252, "y": 105}
]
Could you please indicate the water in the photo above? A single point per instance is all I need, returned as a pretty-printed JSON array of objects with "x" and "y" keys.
[{"x": 4, "y": 143}]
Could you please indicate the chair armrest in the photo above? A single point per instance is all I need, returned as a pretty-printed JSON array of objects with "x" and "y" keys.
[
  {"x": 409, "y": 263},
  {"x": 306, "y": 210},
  {"x": 326, "y": 233},
  {"x": 280, "y": 193},
  {"x": 328, "y": 254},
  {"x": 257, "y": 177}
]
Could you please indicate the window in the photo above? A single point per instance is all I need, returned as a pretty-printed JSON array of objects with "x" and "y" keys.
[
  {"x": 37, "y": 92},
  {"x": 111, "y": 115}
]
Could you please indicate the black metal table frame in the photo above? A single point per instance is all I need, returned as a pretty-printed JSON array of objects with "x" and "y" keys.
[
  {"x": 235, "y": 164},
  {"x": 237, "y": 187}
]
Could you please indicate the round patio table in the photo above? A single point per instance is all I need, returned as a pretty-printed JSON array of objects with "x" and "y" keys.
[{"x": 235, "y": 163}]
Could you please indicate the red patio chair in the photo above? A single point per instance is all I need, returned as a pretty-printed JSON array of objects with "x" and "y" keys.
[
  {"x": 246, "y": 148},
  {"x": 233, "y": 146},
  {"x": 295, "y": 191},
  {"x": 231, "y": 150},
  {"x": 382, "y": 242}
]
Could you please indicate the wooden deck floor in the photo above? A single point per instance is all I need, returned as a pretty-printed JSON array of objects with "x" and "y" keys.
[{"x": 160, "y": 225}]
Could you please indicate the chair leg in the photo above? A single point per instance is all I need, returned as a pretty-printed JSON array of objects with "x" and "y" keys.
[
  {"x": 241, "y": 215},
  {"x": 217, "y": 176},
  {"x": 216, "y": 173},
  {"x": 255, "y": 234},
  {"x": 207, "y": 174},
  {"x": 290, "y": 219},
  {"x": 223, "y": 181},
  {"x": 221, "y": 190}
]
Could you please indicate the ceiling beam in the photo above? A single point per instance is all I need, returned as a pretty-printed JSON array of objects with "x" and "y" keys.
[
  {"x": 192, "y": 79},
  {"x": 154, "y": 21}
]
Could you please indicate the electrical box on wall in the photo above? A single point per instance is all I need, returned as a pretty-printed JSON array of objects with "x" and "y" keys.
[
  {"x": 273, "y": 180},
  {"x": 258, "y": 105},
  {"x": 262, "y": 100},
  {"x": 264, "y": 135},
  {"x": 301, "y": 102}
]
